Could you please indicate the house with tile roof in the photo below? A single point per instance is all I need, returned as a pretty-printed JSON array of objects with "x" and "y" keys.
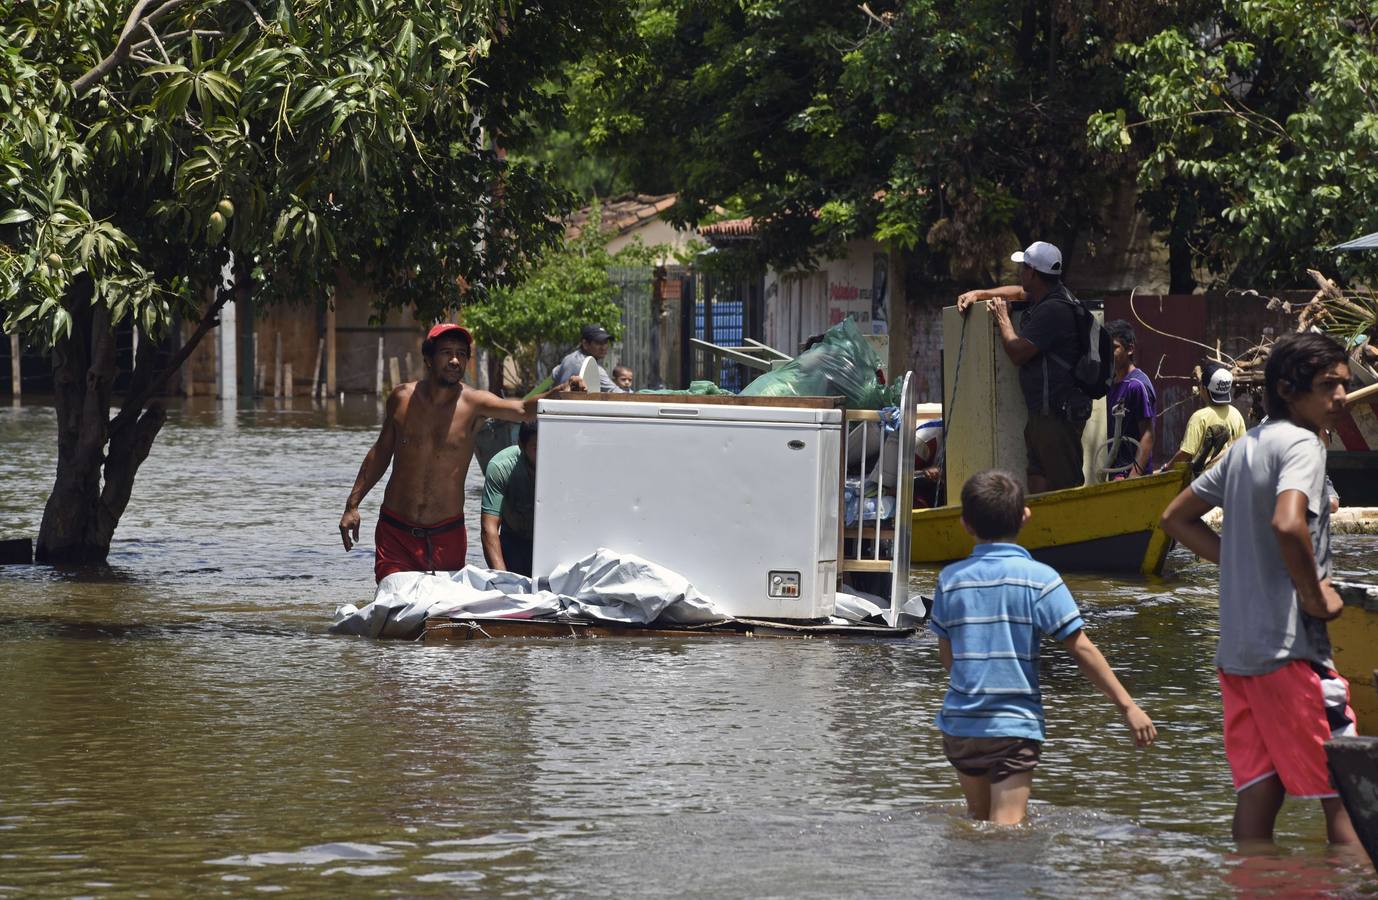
[{"x": 633, "y": 216}]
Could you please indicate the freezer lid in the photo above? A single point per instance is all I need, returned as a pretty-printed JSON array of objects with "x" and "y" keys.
[{"x": 697, "y": 412}]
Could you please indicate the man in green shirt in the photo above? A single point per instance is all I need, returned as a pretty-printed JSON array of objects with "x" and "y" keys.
[{"x": 509, "y": 505}]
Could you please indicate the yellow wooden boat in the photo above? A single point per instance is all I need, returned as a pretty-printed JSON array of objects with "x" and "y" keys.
[
  {"x": 1100, "y": 528},
  {"x": 1354, "y": 643}
]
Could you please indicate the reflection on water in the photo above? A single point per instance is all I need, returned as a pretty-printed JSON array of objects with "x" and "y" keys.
[{"x": 181, "y": 722}]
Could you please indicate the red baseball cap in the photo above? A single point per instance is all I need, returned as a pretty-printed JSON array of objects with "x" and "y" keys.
[{"x": 445, "y": 328}]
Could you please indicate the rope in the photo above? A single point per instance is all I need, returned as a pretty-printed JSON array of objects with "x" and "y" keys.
[{"x": 940, "y": 496}]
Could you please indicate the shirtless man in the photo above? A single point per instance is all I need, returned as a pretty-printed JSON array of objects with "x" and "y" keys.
[{"x": 428, "y": 435}]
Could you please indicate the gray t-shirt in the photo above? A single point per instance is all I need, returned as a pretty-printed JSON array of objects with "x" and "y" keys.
[
  {"x": 1261, "y": 625},
  {"x": 570, "y": 365}
]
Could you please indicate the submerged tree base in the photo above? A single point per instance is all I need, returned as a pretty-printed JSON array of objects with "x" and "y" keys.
[{"x": 99, "y": 456}]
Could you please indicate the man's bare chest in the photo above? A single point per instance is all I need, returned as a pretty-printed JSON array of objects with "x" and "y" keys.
[{"x": 434, "y": 431}]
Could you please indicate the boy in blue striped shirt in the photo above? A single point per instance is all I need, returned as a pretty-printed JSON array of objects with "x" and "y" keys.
[{"x": 989, "y": 612}]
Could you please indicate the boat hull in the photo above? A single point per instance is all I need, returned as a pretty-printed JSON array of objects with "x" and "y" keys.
[
  {"x": 1355, "y": 475},
  {"x": 1353, "y": 460},
  {"x": 1102, "y": 528},
  {"x": 1354, "y": 646}
]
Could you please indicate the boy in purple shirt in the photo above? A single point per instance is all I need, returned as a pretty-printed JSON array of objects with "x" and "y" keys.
[{"x": 1133, "y": 393}]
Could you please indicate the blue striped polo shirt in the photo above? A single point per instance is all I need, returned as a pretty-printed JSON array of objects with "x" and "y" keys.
[{"x": 994, "y": 606}]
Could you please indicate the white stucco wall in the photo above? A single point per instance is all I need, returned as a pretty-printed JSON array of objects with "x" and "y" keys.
[
  {"x": 800, "y": 303},
  {"x": 655, "y": 231}
]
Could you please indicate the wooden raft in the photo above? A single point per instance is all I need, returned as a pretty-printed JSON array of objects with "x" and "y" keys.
[{"x": 477, "y": 628}]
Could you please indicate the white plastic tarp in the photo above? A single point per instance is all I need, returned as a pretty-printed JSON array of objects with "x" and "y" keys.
[
  {"x": 858, "y": 606},
  {"x": 605, "y": 586}
]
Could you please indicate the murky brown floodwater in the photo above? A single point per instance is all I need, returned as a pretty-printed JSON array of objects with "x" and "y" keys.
[{"x": 182, "y": 723}]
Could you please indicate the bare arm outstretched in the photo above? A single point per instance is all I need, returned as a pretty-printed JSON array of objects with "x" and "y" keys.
[{"x": 511, "y": 410}]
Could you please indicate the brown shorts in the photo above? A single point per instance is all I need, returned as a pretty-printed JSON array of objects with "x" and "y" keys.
[
  {"x": 1054, "y": 446},
  {"x": 997, "y": 757}
]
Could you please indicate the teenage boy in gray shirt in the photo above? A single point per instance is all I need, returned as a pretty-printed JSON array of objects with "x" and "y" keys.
[{"x": 1282, "y": 697}]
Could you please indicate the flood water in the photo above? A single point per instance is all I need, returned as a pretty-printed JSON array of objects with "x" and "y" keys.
[{"x": 181, "y": 722}]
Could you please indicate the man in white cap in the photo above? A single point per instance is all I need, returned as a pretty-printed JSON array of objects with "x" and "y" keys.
[
  {"x": 1044, "y": 348},
  {"x": 1214, "y": 427}
]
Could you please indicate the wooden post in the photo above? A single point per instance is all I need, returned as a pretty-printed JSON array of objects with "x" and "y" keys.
[
  {"x": 287, "y": 379},
  {"x": 16, "y": 378},
  {"x": 411, "y": 367},
  {"x": 227, "y": 355},
  {"x": 316, "y": 369},
  {"x": 262, "y": 379},
  {"x": 378, "y": 380},
  {"x": 277, "y": 363},
  {"x": 330, "y": 348},
  {"x": 258, "y": 367},
  {"x": 395, "y": 371}
]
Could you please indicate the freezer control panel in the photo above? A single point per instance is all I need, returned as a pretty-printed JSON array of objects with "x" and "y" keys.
[{"x": 784, "y": 584}]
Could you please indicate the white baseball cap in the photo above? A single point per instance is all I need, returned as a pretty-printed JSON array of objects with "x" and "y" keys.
[
  {"x": 1041, "y": 256},
  {"x": 1220, "y": 386}
]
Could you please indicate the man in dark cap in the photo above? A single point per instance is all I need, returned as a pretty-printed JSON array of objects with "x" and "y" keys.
[
  {"x": 593, "y": 341},
  {"x": 428, "y": 437}
]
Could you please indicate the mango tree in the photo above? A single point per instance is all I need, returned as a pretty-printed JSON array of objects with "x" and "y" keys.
[{"x": 147, "y": 145}]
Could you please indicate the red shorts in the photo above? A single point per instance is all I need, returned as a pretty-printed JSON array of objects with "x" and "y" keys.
[
  {"x": 1278, "y": 723},
  {"x": 404, "y": 549}
]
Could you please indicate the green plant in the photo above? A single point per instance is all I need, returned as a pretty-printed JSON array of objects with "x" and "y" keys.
[{"x": 568, "y": 288}]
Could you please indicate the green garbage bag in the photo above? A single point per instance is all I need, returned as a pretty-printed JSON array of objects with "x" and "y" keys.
[
  {"x": 843, "y": 363},
  {"x": 699, "y": 388}
]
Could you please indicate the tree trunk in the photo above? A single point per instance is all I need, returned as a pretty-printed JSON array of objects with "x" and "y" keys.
[
  {"x": 93, "y": 484},
  {"x": 83, "y": 368}
]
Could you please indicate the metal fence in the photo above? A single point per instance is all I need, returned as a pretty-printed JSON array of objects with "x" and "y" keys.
[
  {"x": 637, "y": 348},
  {"x": 657, "y": 350},
  {"x": 728, "y": 327},
  {"x": 723, "y": 311}
]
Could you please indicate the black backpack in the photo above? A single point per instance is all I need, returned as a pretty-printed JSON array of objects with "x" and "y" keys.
[{"x": 1093, "y": 370}]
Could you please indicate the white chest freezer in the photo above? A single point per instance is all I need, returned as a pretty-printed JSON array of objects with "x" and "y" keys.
[{"x": 741, "y": 500}]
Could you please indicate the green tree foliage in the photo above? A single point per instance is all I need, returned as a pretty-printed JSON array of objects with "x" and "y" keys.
[
  {"x": 143, "y": 142},
  {"x": 950, "y": 129},
  {"x": 1254, "y": 125},
  {"x": 569, "y": 288}
]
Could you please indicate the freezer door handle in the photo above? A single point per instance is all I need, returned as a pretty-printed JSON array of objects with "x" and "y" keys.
[{"x": 678, "y": 412}]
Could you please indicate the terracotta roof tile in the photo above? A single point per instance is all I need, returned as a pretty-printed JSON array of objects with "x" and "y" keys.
[
  {"x": 622, "y": 214},
  {"x": 729, "y": 228}
]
